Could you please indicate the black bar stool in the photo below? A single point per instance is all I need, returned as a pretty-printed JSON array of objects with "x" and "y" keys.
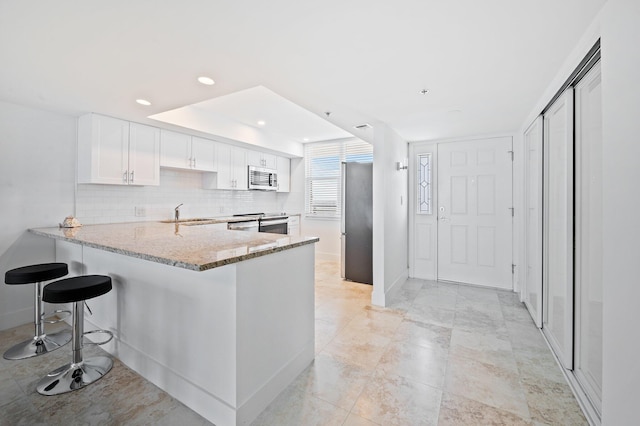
[
  {"x": 41, "y": 343},
  {"x": 80, "y": 372}
]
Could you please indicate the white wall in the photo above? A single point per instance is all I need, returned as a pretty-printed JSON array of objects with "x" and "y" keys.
[
  {"x": 390, "y": 214},
  {"x": 37, "y": 179},
  {"x": 621, "y": 174}
]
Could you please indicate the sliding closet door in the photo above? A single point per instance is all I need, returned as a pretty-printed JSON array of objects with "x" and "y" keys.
[
  {"x": 558, "y": 227},
  {"x": 588, "y": 226},
  {"x": 532, "y": 291}
]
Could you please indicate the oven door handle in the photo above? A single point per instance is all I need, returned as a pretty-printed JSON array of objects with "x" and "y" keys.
[
  {"x": 242, "y": 226},
  {"x": 273, "y": 222}
]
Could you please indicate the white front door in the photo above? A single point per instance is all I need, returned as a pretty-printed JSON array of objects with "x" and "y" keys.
[{"x": 474, "y": 212}]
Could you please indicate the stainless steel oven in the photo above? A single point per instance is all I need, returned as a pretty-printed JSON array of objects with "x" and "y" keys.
[
  {"x": 274, "y": 225},
  {"x": 250, "y": 225}
]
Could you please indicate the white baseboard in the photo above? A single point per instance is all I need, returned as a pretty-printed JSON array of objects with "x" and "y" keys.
[
  {"x": 379, "y": 296},
  {"x": 193, "y": 396},
  {"x": 251, "y": 408},
  {"x": 198, "y": 399}
]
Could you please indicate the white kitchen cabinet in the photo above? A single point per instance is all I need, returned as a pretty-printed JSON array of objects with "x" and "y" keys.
[
  {"x": 203, "y": 154},
  {"x": 232, "y": 168},
  {"x": 284, "y": 174},
  {"x": 116, "y": 152},
  {"x": 293, "y": 227},
  {"x": 175, "y": 150},
  {"x": 261, "y": 159},
  {"x": 181, "y": 151}
]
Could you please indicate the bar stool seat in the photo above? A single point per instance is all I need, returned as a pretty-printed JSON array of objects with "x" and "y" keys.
[
  {"x": 80, "y": 372},
  {"x": 41, "y": 343}
]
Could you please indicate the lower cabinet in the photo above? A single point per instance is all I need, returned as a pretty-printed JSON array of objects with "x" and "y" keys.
[{"x": 294, "y": 225}]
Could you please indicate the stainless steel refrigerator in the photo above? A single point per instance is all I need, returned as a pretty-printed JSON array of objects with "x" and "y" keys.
[{"x": 357, "y": 222}]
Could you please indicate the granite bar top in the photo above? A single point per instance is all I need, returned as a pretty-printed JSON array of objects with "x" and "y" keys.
[{"x": 191, "y": 247}]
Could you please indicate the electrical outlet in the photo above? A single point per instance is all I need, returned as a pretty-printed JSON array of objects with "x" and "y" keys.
[
  {"x": 140, "y": 211},
  {"x": 221, "y": 209}
]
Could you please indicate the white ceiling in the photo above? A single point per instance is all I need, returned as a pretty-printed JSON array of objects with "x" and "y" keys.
[
  {"x": 260, "y": 108},
  {"x": 485, "y": 63}
]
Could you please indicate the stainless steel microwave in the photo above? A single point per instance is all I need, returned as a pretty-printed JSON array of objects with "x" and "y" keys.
[{"x": 263, "y": 179}]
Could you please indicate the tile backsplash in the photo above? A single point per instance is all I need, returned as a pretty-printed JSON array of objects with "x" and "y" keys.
[{"x": 114, "y": 203}]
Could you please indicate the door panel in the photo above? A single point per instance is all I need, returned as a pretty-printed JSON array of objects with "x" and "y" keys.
[
  {"x": 486, "y": 246},
  {"x": 532, "y": 289},
  {"x": 144, "y": 155},
  {"x": 558, "y": 226},
  {"x": 474, "y": 216},
  {"x": 588, "y": 256}
]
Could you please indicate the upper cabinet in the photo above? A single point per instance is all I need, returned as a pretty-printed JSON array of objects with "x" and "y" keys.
[
  {"x": 232, "y": 168},
  {"x": 284, "y": 174},
  {"x": 261, "y": 159},
  {"x": 116, "y": 152},
  {"x": 182, "y": 151}
]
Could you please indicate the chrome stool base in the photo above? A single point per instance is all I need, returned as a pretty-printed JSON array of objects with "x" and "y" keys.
[
  {"x": 38, "y": 345},
  {"x": 72, "y": 377}
]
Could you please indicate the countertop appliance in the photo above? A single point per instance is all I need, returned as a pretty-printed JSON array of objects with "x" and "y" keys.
[
  {"x": 274, "y": 223},
  {"x": 357, "y": 222},
  {"x": 263, "y": 178}
]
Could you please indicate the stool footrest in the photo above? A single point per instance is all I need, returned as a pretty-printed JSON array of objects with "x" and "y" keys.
[
  {"x": 88, "y": 342},
  {"x": 56, "y": 312}
]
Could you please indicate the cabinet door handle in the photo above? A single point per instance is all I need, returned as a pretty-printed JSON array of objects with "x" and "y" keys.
[
  {"x": 131, "y": 178},
  {"x": 125, "y": 176},
  {"x": 194, "y": 162}
]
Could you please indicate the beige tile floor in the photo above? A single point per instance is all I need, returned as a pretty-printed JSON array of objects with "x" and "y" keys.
[{"x": 441, "y": 354}]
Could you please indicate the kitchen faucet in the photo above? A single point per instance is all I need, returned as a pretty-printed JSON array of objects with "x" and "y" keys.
[{"x": 177, "y": 212}]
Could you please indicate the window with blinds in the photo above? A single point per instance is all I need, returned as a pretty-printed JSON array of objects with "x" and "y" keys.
[{"x": 322, "y": 173}]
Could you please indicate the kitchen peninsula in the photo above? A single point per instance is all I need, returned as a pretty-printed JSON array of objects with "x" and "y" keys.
[{"x": 222, "y": 320}]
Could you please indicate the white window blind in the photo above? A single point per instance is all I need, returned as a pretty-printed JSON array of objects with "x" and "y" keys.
[{"x": 322, "y": 173}]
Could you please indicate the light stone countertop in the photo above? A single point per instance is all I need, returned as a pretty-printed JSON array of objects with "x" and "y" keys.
[{"x": 197, "y": 248}]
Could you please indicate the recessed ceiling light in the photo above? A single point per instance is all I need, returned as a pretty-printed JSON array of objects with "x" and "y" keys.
[
  {"x": 143, "y": 102},
  {"x": 305, "y": 139},
  {"x": 206, "y": 81},
  {"x": 363, "y": 126},
  {"x": 261, "y": 123}
]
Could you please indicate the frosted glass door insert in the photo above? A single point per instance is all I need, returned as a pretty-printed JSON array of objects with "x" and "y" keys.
[{"x": 424, "y": 184}]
